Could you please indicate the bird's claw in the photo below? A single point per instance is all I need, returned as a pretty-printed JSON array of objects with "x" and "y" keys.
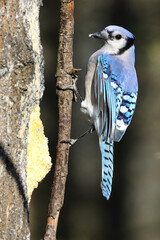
[
  {"x": 73, "y": 88},
  {"x": 91, "y": 129},
  {"x": 69, "y": 141}
]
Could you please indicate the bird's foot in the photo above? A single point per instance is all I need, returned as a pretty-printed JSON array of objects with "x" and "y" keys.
[
  {"x": 69, "y": 141},
  {"x": 73, "y": 86},
  {"x": 73, "y": 141},
  {"x": 91, "y": 129}
]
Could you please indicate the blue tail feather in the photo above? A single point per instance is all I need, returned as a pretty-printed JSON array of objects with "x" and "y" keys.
[{"x": 107, "y": 167}]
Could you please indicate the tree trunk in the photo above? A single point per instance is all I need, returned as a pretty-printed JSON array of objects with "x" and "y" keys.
[{"x": 21, "y": 87}]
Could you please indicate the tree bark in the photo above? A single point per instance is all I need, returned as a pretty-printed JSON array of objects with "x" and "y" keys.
[
  {"x": 64, "y": 78},
  {"x": 21, "y": 87}
]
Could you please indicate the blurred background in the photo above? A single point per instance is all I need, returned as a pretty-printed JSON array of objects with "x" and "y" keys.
[{"x": 133, "y": 211}]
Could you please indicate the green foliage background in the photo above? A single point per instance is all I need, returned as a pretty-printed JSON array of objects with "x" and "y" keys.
[{"x": 133, "y": 211}]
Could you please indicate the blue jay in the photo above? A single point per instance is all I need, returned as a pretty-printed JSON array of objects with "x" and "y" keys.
[{"x": 111, "y": 89}]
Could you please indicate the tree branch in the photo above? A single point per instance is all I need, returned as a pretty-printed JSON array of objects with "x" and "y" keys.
[{"x": 64, "y": 78}]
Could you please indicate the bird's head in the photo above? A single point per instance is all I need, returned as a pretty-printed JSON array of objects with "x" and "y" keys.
[{"x": 117, "y": 39}]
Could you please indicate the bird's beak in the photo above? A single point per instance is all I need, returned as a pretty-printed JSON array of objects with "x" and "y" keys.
[{"x": 96, "y": 35}]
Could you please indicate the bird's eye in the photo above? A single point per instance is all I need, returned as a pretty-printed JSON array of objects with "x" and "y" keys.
[{"x": 118, "y": 36}]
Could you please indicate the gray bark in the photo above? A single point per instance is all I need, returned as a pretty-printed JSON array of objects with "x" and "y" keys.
[{"x": 21, "y": 87}]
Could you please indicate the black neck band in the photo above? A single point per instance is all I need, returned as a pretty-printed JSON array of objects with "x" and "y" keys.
[{"x": 130, "y": 42}]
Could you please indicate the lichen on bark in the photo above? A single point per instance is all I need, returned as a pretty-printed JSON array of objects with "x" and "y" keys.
[{"x": 21, "y": 88}]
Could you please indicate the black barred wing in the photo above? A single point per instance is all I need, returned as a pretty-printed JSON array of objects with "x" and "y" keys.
[
  {"x": 125, "y": 114},
  {"x": 125, "y": 106},
  {"x": 115, "y": 107}
]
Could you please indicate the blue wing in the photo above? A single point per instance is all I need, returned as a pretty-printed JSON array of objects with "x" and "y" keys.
[
  {"x": 105, "y": 100},
  {"x": 115, "y": 109}
]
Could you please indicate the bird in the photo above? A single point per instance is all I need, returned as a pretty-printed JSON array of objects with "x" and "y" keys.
[{"x": 111, "y": 89}]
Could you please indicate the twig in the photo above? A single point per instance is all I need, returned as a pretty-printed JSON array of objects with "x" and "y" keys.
[{"x": 64, "y": 78}]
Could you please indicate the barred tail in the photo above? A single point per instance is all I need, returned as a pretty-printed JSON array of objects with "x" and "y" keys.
[{"x": 107, "y": 167}]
